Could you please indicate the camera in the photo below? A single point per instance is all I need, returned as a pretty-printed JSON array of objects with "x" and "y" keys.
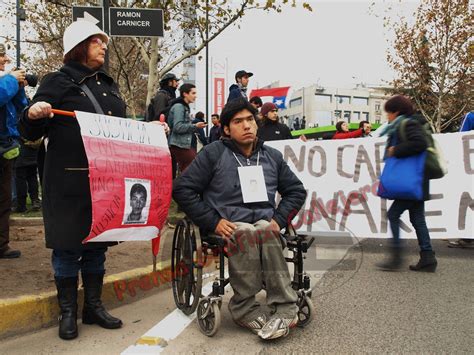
[{"x": 31, "y": 79}]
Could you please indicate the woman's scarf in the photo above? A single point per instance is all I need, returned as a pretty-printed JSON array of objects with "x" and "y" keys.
[{"x": 389, "y": 129}]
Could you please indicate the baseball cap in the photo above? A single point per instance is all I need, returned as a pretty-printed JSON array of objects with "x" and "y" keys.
[{"x": 242, "y": 73}]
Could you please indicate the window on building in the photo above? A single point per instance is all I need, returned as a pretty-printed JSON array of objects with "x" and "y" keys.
[
  {"x": 355, "y": 116},
  {"x": 377, "y": 106},
  {"x": 365, "y": 116},
  {"x": 347, "y": 116},
  {"x": 326, "y": 99},
  {"x": 337, "y": 115},
  {"x": 296, "y": 102},
  {"x": 343, "y": 99},
  {"x": 360, "y": 101}
]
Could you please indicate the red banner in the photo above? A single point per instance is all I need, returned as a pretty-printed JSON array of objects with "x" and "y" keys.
[
  {"x": 219, "y": 94},
  {"x": 275, "y": 92},
  {"x": 130, "y": 177}
]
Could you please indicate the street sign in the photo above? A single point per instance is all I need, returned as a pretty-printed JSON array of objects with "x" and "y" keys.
[
  {"x": 136, "y": 22},
  {"x": 94, "y": 14}
]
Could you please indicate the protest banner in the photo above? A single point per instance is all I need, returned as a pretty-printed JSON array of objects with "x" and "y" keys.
[
  {"x": 129, "y": 175},
  {"x": 341, "y": 178}
]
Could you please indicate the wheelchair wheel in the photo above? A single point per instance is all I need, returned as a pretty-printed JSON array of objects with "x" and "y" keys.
[
  {"x": 186, "y": 266},
  {"x": 305, "y": 311},
  {"x": 208, "y": 316}
]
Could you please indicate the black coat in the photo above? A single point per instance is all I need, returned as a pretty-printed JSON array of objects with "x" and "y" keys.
[
  {"x": 273, "y": 131},
  {"x": 67, "y": 207}
]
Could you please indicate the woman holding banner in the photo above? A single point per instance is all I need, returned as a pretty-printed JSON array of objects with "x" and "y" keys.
[
  {"x": 342, "y": 131},
  {"x": 81, "y": 84},
  {"x": 399, "y": 108}
]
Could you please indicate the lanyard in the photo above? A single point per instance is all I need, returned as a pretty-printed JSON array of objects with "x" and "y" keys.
[{"x": 248, "y": 160}]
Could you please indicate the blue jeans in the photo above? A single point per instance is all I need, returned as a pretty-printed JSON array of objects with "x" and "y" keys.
[
  {"x": 67, "y": 263},
  {"x": 417, "y": 219}
]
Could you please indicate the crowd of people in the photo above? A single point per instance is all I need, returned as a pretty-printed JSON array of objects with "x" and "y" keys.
[{"x": 210, "y": 187}]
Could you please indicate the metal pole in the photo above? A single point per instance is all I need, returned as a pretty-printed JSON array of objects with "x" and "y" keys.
[
  {"x": 106, "y": 6},
  {"x": 207, "y": 65},
  {"x": 18, "y": 50}
]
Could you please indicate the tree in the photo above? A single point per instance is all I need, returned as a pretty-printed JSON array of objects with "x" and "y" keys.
[
  {"x": 134, "y": 60},
  {"x": 432, "y": 61}
]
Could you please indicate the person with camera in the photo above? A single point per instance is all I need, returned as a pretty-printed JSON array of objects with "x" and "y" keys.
[
  {"x": 12, "y": 101},
  {"x": 83, "y": 85}
]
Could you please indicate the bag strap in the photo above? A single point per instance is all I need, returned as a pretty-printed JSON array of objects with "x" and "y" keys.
[{"x": 91, "y": 97}]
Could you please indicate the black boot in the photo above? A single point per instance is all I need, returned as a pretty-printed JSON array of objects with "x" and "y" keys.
[
  {"x": 394, "y": 261},
  {"x": 427, "y": 262},
  {"x": 94, "y": 312},
  {"x": 67, "y": 299}
]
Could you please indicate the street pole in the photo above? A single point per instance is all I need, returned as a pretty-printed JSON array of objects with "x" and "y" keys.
[
  {"x": 207, "y": 66},
  {"x": 106, "y": 6}
]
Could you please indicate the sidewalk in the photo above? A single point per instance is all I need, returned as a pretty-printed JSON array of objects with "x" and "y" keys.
[{"x": 30, "y": 312}]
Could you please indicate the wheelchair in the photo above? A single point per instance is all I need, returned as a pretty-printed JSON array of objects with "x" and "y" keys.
[{"x": 189, "y": 256}]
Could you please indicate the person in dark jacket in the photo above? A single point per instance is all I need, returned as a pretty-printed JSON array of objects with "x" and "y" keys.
[
  {"x": 12, "y": 100},
  {"x": 26, "y": 175},
  {"x": 199, "y": 117},
  {"x": 400, "y": 108},
  {"x": 342, "y": 131},
  {"x": 163, "y": 98},
  {"x": 215, "y": 131},
  {"x": 239, "y": 90},
  {"x": 67, "y": 206},
  {"x": 238, "y": 178},
  {"x": 270, "y": 128}
]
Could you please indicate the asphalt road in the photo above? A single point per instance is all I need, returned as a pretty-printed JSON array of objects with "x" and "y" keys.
[{"x": 358, "y": 310}]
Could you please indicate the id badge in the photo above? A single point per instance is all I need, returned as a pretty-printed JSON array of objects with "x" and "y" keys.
[{"x": 252, "y": 184}]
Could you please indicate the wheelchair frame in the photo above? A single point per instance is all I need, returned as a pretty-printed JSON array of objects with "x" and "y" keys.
[{"x": 189, "y": 255}]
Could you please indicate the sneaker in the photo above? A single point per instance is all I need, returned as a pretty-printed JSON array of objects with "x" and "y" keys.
[
  {"x": 278, "y": 327},
  {"x": 461, "y": 243},
  {"x": 36, "y": 205},
  {"x": 254, "y": 325},
  {"x": 10, "y": 254}
]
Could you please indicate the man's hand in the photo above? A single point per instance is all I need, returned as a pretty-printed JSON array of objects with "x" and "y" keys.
[
  {"x": 225, "y": 228},
  {"x": 40, "y": 110},
  {"x": 274, "y": 226},
  {"x": 19, "y": 75},
  {"x": 164, "y": 124},
  {"x": 201, "y": 125}
]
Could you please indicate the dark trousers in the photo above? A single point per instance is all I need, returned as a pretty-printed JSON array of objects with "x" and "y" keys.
[
  {"x": 67, "y": 263},
  {"x": 6, "y": 167},
  {"x": 26, "y": 182},
  {"x": 417, "y": 219},
  {"x": 183, "y": 157}
]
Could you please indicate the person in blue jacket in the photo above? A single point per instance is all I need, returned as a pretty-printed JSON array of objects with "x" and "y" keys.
[
  {"x": 239, "y": 90},
  {"x": 12, "y": 101}
]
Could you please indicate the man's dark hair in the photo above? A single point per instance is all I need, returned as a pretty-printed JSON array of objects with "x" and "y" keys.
[
  {"x": 400, "y": 104},
  {"x": 138, "y": 188},
  {"x": 186, "y": 89},
  {"x": 362, "y": 123},
  {"x": 199, "y": 115},
  {"x": 233, "y": 107},
  {"x": 256, "y": 100},
  {"x": 216, "y": 115}
]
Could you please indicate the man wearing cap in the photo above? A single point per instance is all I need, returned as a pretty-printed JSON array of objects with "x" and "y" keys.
[
  {"x": 12, "y": 101},
  {"x": 270, "y": 128},
  {"x": 162, "y": 100},
  {"x": 240, "y": 89}
]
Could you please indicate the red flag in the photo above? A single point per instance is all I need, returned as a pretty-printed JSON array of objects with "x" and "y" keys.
[{"x": 275, "y": 92}]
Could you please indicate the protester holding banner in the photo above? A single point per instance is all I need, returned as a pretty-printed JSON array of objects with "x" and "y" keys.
[
  {"x": 182, "y": 129},
  {"x": 399, "y": 108},
  {"x": 342, "y": 131},
  {"x": 81, "y": 84}
]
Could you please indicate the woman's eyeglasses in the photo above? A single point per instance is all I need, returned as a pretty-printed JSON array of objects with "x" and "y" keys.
[{"x": 99, "y": 41}]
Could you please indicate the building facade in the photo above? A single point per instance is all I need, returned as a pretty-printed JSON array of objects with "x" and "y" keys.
[{"x": 322, "y": 106}]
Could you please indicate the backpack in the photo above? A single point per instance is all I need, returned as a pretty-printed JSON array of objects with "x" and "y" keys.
[
  {"x": 435, "y": 165},
  {"x": 150, "y": 112}
]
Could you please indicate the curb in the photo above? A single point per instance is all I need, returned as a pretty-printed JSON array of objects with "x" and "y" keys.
[
  {"x": 26, "y": 221},
  {"x": 28, "y": 313}
]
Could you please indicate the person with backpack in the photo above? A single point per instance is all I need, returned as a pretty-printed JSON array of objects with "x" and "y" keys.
[
  {"x": 162, "y": 102},
  {"x": 399, "y": 109}
]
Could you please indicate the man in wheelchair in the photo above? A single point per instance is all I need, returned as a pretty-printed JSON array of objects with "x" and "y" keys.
[{"x": 230, "y": 190}]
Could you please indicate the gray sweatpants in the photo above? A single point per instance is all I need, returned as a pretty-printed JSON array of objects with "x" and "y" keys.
[{"x": 256, "y": 258}]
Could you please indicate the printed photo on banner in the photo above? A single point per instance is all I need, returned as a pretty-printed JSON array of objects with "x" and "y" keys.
[{"x": 137, "y": 201}]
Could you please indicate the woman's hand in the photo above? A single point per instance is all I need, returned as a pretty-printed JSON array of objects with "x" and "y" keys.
[
  {"x": 164, "y": 124},
  {"x": 40, "y": 110}
]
